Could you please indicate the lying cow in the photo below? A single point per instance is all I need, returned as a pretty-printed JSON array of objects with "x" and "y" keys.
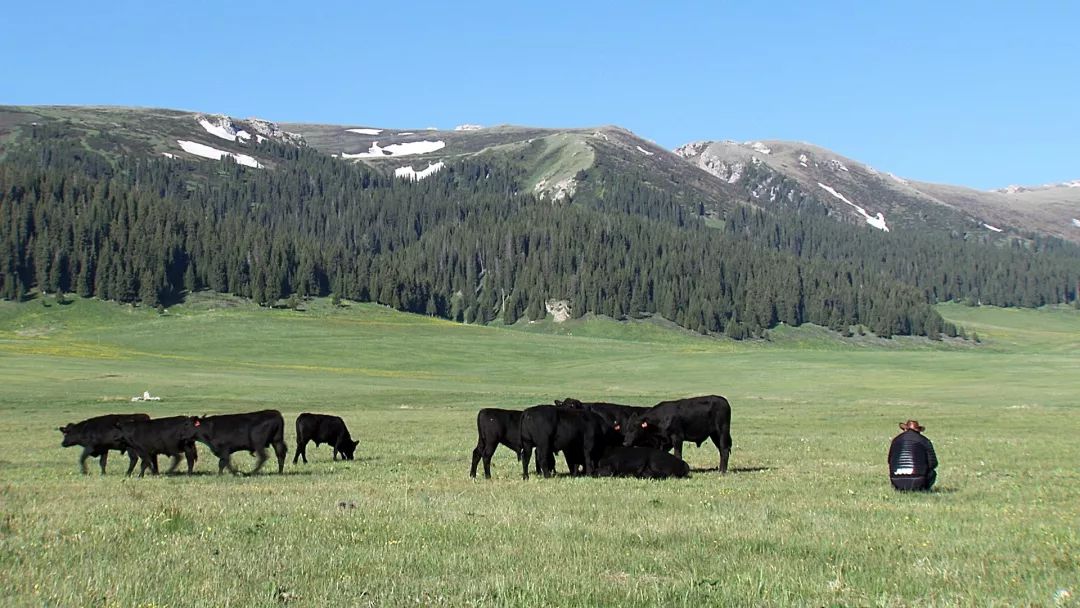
[
  {"x": 494, "y": 427},
  {"x": 695, "y": 419},
  {"x": 580, "y": 435},
  {"x": 618, "y": 417},
  {"x": 169, "y": 436},
  {"x": 646, "y": 463},
  {"x": 321, "y": 429},
  {"x": 98, "y": 435},
  {"x": 251, "y": 432}
]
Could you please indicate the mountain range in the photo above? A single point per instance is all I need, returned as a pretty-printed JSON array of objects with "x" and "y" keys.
[{"x": 716, "y": 236}]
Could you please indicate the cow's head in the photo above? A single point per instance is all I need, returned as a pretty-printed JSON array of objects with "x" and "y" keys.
[
  {"x": 197, "y": 427},
  {"x": 348, "y": 448},
  {"x": 70, "y": 438},
  {"x": 569, "y": 402},
  {"x": 637, "y": 430}
]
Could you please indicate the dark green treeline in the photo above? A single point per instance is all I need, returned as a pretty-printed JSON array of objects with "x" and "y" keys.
[{"x": 465, "y": 244}]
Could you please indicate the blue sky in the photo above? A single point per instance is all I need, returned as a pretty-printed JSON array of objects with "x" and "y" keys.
[{"x": 980, "y": 94}]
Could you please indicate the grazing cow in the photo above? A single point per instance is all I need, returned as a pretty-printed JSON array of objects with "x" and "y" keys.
[
  {"x": 97, "y": 436},
  {"x": 170, "y": 436},
  {"x": 321, "y": 429},
  {"x": 580, "y": 435},
  {"x": 647, "y": 463},
  {"x": 695, "y": 419},
  {"x": 251, "y": 432},
  {"x": 618, "y": 417}
]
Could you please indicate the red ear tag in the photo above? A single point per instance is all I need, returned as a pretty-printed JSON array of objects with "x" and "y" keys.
[
  {"x": 618, "y": 427},
  {"x": 644, "y": 425},
  {"x": 197, "y": 423}
]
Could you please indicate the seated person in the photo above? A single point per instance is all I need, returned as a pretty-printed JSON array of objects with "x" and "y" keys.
[{"x": 912, "y": 461}]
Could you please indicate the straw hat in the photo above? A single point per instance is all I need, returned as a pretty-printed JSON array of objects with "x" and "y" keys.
[{"x": 912, "y": 425}]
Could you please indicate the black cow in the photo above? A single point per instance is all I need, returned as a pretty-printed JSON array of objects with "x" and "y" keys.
[
  {"x": 98, "y": 435},
  {"x": 170, "y": 436},
  {"x": 496, "y": 426},
  {"x": 580, "y": 435},
  {"x": 251, "y": 432},
  {"x": 618, "y": 417},
  {"x": 645, "y": 463},
  {"x": 321, "y": 429},
  {"x": 695, "y": 419}
]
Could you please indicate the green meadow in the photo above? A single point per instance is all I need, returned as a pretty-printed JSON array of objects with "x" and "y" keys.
[{"x": 806, "y": 517}]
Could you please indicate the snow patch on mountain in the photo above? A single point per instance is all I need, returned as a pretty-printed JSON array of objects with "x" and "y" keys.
[
  {"x": 206, "y": 151},
  {"x": 408, "y": 172},
  {"x": 222, "y": 126},
  {"x": 1076, "y": 222},
  {"x": 992, "y": 228},
  {"x": 467, "y": 127},
  {"x": 402, "y": 149},
  {"x": 365, "y": 131},
  {"x": 877, "y": 221},
  {"x": 644, "y": 151},
  {"x": 168, "y": 155}
]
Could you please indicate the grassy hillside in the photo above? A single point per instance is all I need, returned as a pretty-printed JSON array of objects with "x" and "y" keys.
[{"x": 806, "y": 518}]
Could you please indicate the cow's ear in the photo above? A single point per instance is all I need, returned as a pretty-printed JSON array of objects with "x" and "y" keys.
[{"x": 559, "y": 403}]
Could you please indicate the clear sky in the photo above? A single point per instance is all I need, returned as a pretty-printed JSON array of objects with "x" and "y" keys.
[{"x": 982, "y": 94}]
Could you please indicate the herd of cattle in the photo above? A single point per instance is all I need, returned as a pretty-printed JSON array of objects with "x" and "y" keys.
[
  {"x": 145, "y": 439},
  {"x": 601, "y": 439}
]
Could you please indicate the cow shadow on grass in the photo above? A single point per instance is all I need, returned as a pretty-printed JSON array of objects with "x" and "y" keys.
[{"x": 731, "y": 470}]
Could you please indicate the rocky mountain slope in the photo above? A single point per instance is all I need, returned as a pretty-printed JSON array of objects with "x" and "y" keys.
[{"x": 779, "y": 175}]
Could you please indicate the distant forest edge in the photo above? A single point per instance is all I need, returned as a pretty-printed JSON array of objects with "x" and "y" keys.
[{"x": 470, "y": 244}]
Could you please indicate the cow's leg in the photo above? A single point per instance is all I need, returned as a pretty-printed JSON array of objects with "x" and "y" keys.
[
  {"x": 590, "y": 464},
  {"x": 133, "y": 458},
  {"x": 103, "y": 461},
  {"x": 301, "y": 450},
  {"x": 488, "y": 453},
  {"x": 174, "y": 461},
  {"x": 476, "y": 456},
  {"x": 260, "y": 458},
  {"x": 676, "y": 440},
  {"x": 723, "y": 444},
  {"x": 545, "y": 455},
  {"x": 281, "y": 451},
  {"x": 526, "y": 453},
  {"x": 192, "y": 455},
  {"x": 82, "y": 460}
]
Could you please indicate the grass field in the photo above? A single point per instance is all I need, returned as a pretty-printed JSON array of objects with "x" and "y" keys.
[{"x": 807, "y": 517}]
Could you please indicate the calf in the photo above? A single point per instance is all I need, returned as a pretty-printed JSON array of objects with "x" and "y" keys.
[
  {"x": 580, "y": 435},
  {"x": 493, "y": 427},
  {"x": 251, "y": 432},
  {"x": 321, "y": 429},
  {"x": 97, "y": 436},
  {"x": 695, "y": 419},
  {"x": 170, "y": 436},
  {"x": 645, "y": 463}
]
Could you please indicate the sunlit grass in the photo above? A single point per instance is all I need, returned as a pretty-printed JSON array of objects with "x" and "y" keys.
[{"x": 807, "y": 518}]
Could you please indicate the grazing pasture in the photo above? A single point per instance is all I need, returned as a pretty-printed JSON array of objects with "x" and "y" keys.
[{"x": 805, "y": 517}]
